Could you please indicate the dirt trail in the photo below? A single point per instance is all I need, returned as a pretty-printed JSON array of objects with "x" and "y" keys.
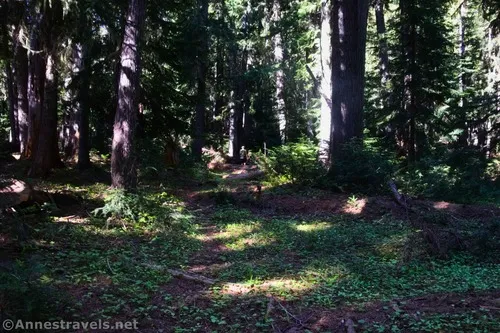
[{"x": 239, "y": 184}]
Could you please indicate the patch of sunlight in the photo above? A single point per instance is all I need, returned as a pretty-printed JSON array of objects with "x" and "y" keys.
[
  {"x": 355, "y": 208},
  {"x": 254, "y": 240},
  {"x": 280, "y": 287},
  {"x": 393, "y": 247},
  {"x": 313, "y": 227},
  {"x": 441, "y": 205},
  {"x": 237, "y": 230},
  {"x": 321, "y": 272}
]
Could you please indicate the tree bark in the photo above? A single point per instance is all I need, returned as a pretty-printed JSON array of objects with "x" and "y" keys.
[
  {"x": 245, "y": 100},
  {"x": 410, "y": 103},
  {"x": 123, "y": 159},
  {"x": 383, "y": 48},
  {"x": 83, "y": 100},
  {"x": 199, "y": 122},
  {"x": 234, "y": 131},
  {"x": 219, "y": 93},
  {"x": 237, "y": 99},
  {"x": 464, "y": 136},
  {"x": 22, "y": 77},
  {"x": 35, "y": 93},
  {"x": 12, "y": 99},
  {"x": 349, "y": 21},
  {"x": 70, "y": 128},
  {"x": 280, "y": 76},
  {"x": 75, "y": 129},
  {"x": 325, "y": 128},
  {"x": 235, "y": 106},
  {"x": 46, "y": 155}
]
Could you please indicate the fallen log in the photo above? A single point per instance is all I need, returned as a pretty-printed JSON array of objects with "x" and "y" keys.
[{"x": 14, "y": 192}]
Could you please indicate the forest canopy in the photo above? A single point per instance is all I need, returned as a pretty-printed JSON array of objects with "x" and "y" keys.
[{"x": 417, "y": 79}]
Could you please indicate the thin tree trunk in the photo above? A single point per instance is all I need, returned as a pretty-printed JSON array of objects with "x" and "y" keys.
[
  {"x": 325, "y": 128},
  {"x": 123, "y": 159},
  {"x": 244, "y": 89},
  {"x": 383, "y": 49},
  {"x": 280, "y": 76},
  {"x": 219, "y": 95},
  {"x": 463, "y": 138},
  {"x": 83, "y": 98},
  {"x": 12, "y": 99},
  {"x": 410, "y": 103},
  {"x": 199, "y": 122},
  {"x": 493, "y": 87},
  {"x": 245, "y": 102},
  {"x": 349, "y": 21},
  {"x": 234, "y": 121}
]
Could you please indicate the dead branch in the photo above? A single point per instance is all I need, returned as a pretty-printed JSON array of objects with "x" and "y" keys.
[
  {"x": 270, "y": 307},
  {"x": 184, "y": 275},
  {"x": 400, "y": 199},
  {"x": 350, "y": 326}
]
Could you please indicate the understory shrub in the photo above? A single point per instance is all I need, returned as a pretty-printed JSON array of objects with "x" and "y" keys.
[
  {"x": 364, "y": 167},
  {"x": 458, "y": 175},
  {"x": 295, "y": 163},
  {"x": 142, "y": 210},
  {"x": 25, "y": 293}
]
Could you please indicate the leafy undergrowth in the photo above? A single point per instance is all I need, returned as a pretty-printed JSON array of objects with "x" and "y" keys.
[{"x": 275, "y": 270}]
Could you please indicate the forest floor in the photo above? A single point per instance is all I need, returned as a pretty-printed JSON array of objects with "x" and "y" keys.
[{"x": 286, "y": 259}]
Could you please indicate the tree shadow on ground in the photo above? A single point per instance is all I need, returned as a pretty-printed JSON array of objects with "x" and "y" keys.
[{"x": 315, "y": 255}]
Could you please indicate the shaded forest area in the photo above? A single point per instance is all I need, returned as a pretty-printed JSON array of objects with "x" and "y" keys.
[{"x": 251, "y": 165}]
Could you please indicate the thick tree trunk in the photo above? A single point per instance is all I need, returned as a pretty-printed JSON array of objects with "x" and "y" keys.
[
  {"x": 75, "y": 129},
  {"x": 325, "y": 127},
  {"x": 12, "y": 99},
  {"x": 123, "y": 159},
  {"x": 280, "y": 76},
  {"x": 22, "y": 77},
  {"x": 235, "y": 106},
  {"x": 36, "y": 80},
  {"x": 70, "y": 128},
  {"x": 199, "y": 121},
  {"x": 349, "y": 20},
  {"x": 238, "y": 93},
  {"x": 46, "y": 155}
]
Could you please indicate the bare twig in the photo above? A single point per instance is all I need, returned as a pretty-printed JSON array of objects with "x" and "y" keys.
[
  {"x": 109, "y": 267},
  {"x": 270, "y": 307},
  {"x": 291, "y": 315},
  {"x": 350, "y": 326},
  {"x": 184, "y": 275}
]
